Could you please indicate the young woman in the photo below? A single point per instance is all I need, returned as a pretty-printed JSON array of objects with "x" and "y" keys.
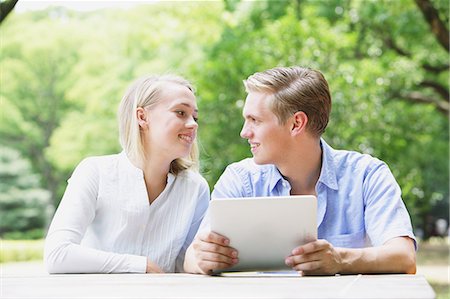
[{"x": 136, "y": 211}]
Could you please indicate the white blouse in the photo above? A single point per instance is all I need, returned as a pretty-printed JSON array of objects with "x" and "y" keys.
[{"x": 105, "y": 224}]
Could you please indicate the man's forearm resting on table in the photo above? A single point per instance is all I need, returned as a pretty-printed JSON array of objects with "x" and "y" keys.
[{"x": 395, "y": 256}]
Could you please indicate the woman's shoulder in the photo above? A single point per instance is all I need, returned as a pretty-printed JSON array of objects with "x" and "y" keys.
[
  {"x": 192, "y": 176},
  {"x": 97, "y": 162}
]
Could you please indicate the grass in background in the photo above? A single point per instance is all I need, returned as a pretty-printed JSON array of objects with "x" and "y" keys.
[
  {"x": 21, "y": 250},
  {"x": 436, "y": 253},
  {"x": 442, "y": 290},
  {"x": 433, "y": 252}
]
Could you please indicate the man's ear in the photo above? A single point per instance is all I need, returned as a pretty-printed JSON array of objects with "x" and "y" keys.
[
  {"x": 298, "y": 124},
  {"x": 142, "y": 119}
]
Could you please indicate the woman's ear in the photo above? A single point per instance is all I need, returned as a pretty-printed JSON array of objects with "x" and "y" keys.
[
  {"x": 141, "y": 116},
  {"x": 299, "y": 121}
]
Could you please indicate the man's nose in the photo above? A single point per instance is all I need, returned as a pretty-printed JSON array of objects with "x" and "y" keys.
[{"x": 245, "y": 133}]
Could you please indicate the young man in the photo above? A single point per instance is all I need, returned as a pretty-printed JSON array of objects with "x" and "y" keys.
[{"x": 363, "y": 224}]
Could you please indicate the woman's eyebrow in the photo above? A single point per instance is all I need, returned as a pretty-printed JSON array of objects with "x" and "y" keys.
[{"x": 187, "y": 105}]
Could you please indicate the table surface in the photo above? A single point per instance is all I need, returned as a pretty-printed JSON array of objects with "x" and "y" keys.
[{"x": 202, "y": 286}]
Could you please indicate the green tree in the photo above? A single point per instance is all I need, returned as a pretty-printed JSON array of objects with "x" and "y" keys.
[
  {"x": 35, "y": 78},
  {"x": 128, "y": 45},
  {"x": 6, "y": 6},
  {"x": 387, "y": 66},
  {"x": 374, "y": 84},
  {"x": 24, "y": 206},
  {"x": 61, "y": 89}
]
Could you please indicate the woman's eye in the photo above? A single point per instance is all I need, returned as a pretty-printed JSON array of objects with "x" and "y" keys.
[{"x": 184, "y": 114}]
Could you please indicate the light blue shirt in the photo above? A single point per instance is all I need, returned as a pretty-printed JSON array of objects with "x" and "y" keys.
[{"x": 359, "y": 202}]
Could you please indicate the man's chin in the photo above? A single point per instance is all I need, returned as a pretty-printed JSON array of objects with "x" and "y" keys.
[{"x": 260, "y": 161}]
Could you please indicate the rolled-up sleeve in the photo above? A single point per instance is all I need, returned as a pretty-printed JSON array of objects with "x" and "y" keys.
[{"x": 386, "y": 216}]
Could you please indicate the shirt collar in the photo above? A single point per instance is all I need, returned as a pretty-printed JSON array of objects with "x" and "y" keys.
[
  {"x": 327, "y": 172},
  {"x": 137, "y": 172},
  {"x": 275, "y": 178},
  {"x": 130, "y": 167}
]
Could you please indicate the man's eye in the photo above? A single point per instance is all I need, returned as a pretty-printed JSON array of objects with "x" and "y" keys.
[{"x": 180, "y": 113}]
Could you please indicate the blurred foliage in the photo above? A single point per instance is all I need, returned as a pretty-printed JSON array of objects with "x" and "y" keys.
[
  {"x": 24, "y": 206},
  {"x": 61, "y": 81},
  {"x": 23, "y": 250},
  {"x": 369, "y": 80}
]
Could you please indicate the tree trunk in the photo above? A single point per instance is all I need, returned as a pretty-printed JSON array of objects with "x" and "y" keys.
[{"x": 5, "y": 8}]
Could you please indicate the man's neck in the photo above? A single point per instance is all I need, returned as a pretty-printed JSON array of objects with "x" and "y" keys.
[{"x": 302, "y": 166}]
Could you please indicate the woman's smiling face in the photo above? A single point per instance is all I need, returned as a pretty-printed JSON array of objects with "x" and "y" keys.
[{"x": 172, "y": 122}]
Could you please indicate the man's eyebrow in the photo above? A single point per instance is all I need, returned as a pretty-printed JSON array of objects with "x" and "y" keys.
[{"x": 248, "y": 115}]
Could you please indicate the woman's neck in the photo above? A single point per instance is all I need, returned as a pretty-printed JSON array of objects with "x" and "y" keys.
[{"x": 155, "y": 176}]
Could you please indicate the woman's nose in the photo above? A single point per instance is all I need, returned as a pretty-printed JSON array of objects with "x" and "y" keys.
[{"x": 191, "y": 123}]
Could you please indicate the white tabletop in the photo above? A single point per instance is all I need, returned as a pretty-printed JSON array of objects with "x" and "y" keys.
[{"x": 200, "y": 286}]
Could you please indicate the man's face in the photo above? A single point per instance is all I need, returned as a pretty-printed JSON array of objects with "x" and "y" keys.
[{"x": 266, "y": 136}]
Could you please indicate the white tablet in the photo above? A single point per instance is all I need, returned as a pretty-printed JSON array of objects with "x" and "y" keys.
[{"x": 264, "y": 230}]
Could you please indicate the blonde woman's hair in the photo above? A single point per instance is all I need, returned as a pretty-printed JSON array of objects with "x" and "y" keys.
[
  {"x": 295, "y": 89},
  {"x": 146, "y": 92}
]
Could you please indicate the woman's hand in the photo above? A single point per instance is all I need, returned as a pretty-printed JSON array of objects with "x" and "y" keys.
[{"x": 153, "y": 268}]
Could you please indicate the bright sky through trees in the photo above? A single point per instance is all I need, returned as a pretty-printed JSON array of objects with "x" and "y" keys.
[{"x": 80, "y": 5}]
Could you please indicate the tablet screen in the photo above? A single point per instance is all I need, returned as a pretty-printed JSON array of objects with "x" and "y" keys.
[{"x": 265, "y": 230}]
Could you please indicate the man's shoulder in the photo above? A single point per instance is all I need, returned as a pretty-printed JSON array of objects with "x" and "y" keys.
[
  {"x": 245, "y": 178},
  {"x": 354, "y": 160},
  {"x": 248, "y": 166}
]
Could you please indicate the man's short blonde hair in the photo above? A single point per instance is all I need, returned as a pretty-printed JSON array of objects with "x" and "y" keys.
[
  {"x": 295, "y": 89},
  {"x": 146, "y": 92}
]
